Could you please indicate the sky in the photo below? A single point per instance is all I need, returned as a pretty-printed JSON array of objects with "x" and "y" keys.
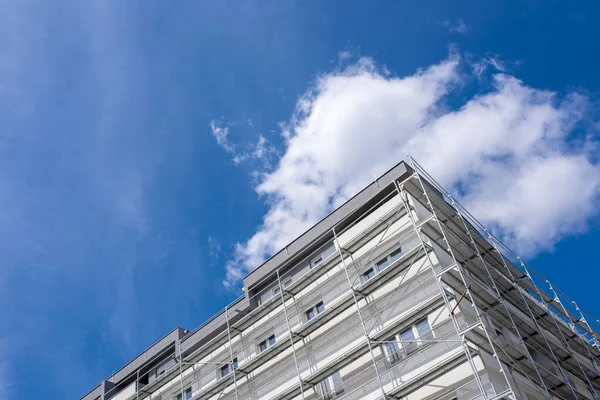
[{"x": 152, "y": 153}]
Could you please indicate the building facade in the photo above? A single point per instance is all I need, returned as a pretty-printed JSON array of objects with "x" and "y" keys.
[{"x": 397, "y": 294}]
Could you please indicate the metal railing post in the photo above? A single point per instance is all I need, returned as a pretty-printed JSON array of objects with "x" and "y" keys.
[
  {"x": 291, "y": 335},
  {"x": 362, "y": 322},
  {"x": 460, "y": 334},
  {"x": 231, "y": 353},
  {"x": 500, "y": 298}
]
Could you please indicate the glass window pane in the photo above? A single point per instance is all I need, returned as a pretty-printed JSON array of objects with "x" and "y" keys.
[
  {"x": 316, "y": 261},
  {"x": 382, "y": 264},
  {"x": 391, "y": 347},
  {"x": 396, "y": 254},
  {"x": 325, "y": 386},
  {"x": 368, "y": 274},
  {"x": 310, "y": 314},
  {"x": 407, "y": 336},
  {"x": 271, "y": 340},
  {"x": 235, "y": 363},
  {"x": 320, "y": 308},
  {"x": 423, "y": 327},
  {"x": 287, "y": 283},
  {"x": 408, "y": 341},
  {"x": 225, "y": 370},
  {"x": 262, "y": 346},
  {"x": 336, "y": 378},
  {"x": 188, "y": 393}
]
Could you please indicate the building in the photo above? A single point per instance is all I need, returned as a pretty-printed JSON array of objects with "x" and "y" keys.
[{"x": 399, "y": 294}]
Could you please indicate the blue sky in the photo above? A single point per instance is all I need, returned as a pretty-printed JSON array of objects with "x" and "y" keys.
[{"x": 149, "y": 152}]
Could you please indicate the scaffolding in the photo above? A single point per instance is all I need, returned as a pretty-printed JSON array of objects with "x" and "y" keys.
[{"x": 492, "y": 317}]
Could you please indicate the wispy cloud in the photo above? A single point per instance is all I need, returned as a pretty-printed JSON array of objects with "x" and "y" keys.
[
  {"x": 259, "y": 150},
  {"x": 505, "y": 148},
  {"x": 482, "y": 64},
  {"x": 74, "y": 181},
  {"x": 214, "y": 249},
  {"x": 456, "y": 27}
]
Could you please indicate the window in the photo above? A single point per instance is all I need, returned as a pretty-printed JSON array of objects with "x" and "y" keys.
[
  {"x": 424, "y": 331},
  {"x": 408, "y": 341},
  {"x": 316, "y": 261},
  {"x": 155, "y": 373},
  {"x": 187, "y": 395},
  {"x": 314, "y": 311},
  {"x": 390, "y": 258},
  {"x": 265, "y": 344},
  {"x": 267, "y": 294},
  {"x": 287, "y": 283},
  {"x": 368, "y": 274},
  {"x": 227, "y": 368},
  {"x": 392, "y": 349},
  {"x": 331, "y": 386},
  {"x": 381, "y": 264}
]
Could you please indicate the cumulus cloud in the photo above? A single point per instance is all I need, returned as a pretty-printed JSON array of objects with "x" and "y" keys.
[{"x": 509, "y": 152}]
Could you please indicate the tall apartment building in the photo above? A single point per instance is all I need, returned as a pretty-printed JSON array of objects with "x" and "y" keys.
[{"x": 397, "y": 294}]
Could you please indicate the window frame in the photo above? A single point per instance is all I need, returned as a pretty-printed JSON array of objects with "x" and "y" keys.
[
  {"x": 388, "y": 259},
  {"x": 267, "y": 343},
  {"x": 406, "y": 348},
  {"x": 187, "y": 391},
  {"x": 382, "y": 263},
  {"x": 316, "y": 310},
  {"x": 316, "y": 261},
  {"x": 331, "y": 386},
  {"x": 229, "y": 367},
  {"x": 368, "y": 274}
]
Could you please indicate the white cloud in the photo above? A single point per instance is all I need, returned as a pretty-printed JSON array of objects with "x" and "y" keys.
[
  {"x": 240, "y": 153},
  {"x": 508, "y": 150},
  {"x": 458, "y": 27},
  {"x": 221, "y": 136},
  {"x": 214, "y": 249}
]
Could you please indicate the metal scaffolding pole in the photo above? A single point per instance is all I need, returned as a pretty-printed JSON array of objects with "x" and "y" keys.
[
  {"x": 531, "y": 314},
  {"x": 500, "y": 298},
  {"x": 570, "y": 350},
  {"x": 466, "y": 349},
  {"x": 366, "y": 334},
  {"x": 595, "y": 342},
  {"x": 467, "y": 293},
  {"x": 584, "y": 341},
  {"x": 493, "y": 240},
  {"x": 287, "y": 321},
  {"x": 233, "y": 368},
  {"x": 180, "y": 367}
]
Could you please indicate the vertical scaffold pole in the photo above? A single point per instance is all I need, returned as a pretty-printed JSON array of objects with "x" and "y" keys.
[
  {"x": 570, "y": 350},
  {"x": 595, "y": 341},
  {"x": 231, "y": 353},
  {"x": 287, "y": 321},
  {"x": 362, "y": 322},
  {"x": 456, "y": 324},
  {"x": 500, "y": 298},
  {"x": 509, "y": 391},
  {"x": 180, "y": 366},
  {"x": 515, "y": 284}
]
